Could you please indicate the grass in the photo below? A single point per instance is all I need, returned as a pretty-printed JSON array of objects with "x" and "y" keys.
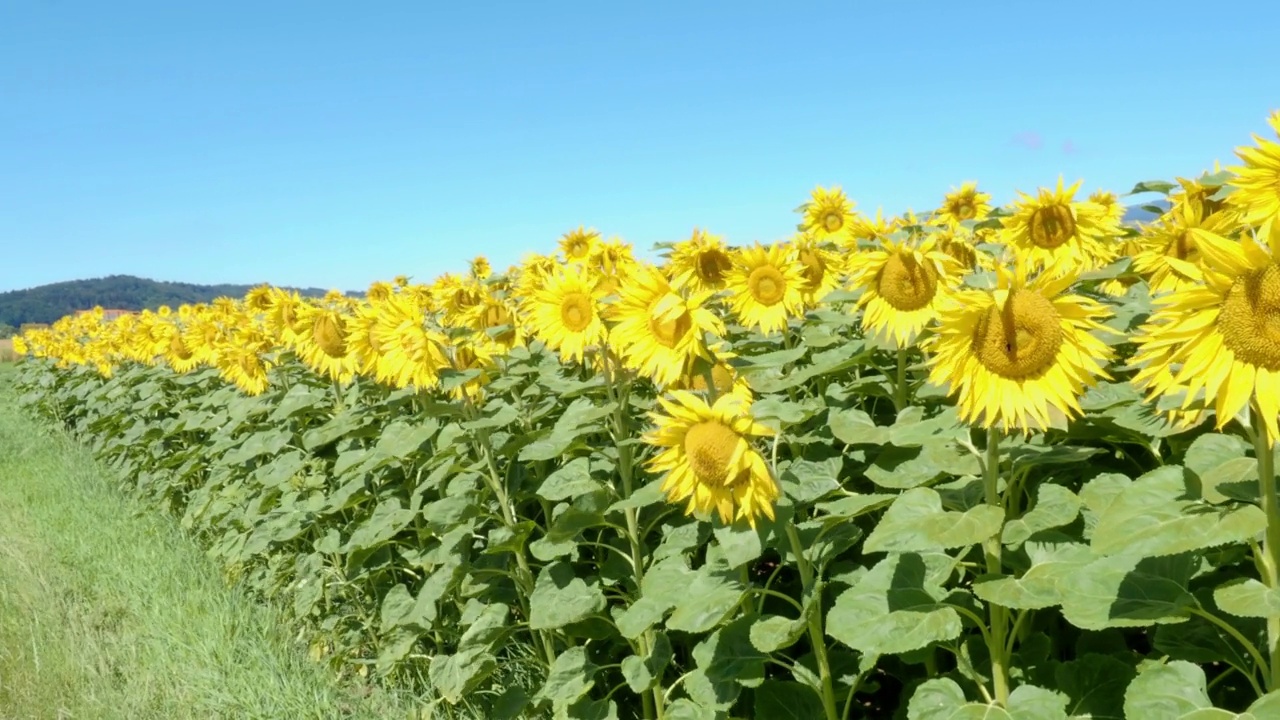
[
  {"x": 108, "y": 611},
  {"x": 6, "y": 351}
]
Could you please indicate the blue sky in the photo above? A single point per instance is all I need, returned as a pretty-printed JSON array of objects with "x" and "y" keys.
[{"x": 331, "y": 144}]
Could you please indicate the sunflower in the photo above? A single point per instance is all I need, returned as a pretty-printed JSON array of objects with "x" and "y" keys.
[
  {"x": 577, "y": 245},
  {"x": 1055, "y": 232},
  {"x": 495, "y": 323},
  {"x": 565, "y": 312},
  {"x": 700, "y": 263},
  {"x": 480, "y": 268},
  {"x": 175, "y": 350},
  {"x": 873, "y": 229},
  {"x": 767, "y": 286},
  {"x": 322, "y": 344},
  {"x": 1221, "y": 334},
  {"x": 409, "y": 353},
  {"x": 1019, "y": 356},
  {"x": 903, "y": 286},
  {"x": 1257, "y": 182},
  {"x": 242, "y": 365},
  {"x": 1201, "y": 191},
  {"x": 1165, "y": 253},
  {"x": 962, "y": 246},
  {"x": 1112, "y": 210},
  {"x": 706, "y": 453},
  {"x": 1157, "y": 377},
  {"x": 611, "y": 261},
  {"x": 258, "y": 299},
  {"x": 963, "y": 204},
  {"x": 660, "y": 331},
  {"x": 379, "y": 291},
  {"x": 822, "y": 267},
  {"x": 724, "y": 378},
  {"x": 466, "y": 356},
  {"x": 828, "y": 214}
]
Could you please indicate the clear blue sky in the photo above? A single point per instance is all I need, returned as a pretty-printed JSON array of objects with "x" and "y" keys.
[{"x": 331, "y": 144}]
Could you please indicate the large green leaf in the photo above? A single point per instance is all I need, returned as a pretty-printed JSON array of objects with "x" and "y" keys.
[
  {"x": 560, "y": 598},
  {"x": 896, "y": 607},
  {"x": 570, "y": 678},
  {"x": 916, "y": 522},
  {"x": 779, "y": 700},
  {"x": 1053, "y": 569},
  {"x": 1248, "y": 598},
  {"x": 453, "y": 676},
  {"x": 1129, "y": 591},
  {"x": 1055, "y": 506}
]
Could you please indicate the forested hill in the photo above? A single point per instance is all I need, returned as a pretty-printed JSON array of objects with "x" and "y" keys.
[{"x": 47, "y": 303}]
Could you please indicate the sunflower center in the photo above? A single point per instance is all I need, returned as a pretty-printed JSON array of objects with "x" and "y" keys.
[
  {"x": 1183, "y": 246},
  {"x": 906, "y": 284},
  {"x": 1019, "y": 339},
  {"x": 1052, "y": 226},
  {"x": 575, "y": 311},
  {"x": 1250, "y": 318},
  {"x": 712, "y": 265},
  {"x": 833, "y": 221},
  {"x": 814, "y": 268},
  {"x": 767, "y": 285},
  {"x": 965, "y": 210},
  {"x": 577, "y": 249},
  {"x": 720, "y": 375},
  {"x": 709, "y": 446},
  {"x": 179, "y": 348},
  {"x": 669, "y": 331},
  {"x": 328, "y": 336}
]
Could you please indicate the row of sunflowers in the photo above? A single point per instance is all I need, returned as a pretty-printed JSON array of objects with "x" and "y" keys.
[{"x": 750, "y": 386}]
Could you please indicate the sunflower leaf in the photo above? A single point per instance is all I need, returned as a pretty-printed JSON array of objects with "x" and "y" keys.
[
  {"x": 916, "y": 522},
  {"x": 896, "y": 607},
  {"x": 1129, "y": 591}
]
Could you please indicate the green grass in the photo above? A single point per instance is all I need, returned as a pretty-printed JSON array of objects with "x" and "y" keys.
[{"x": 108, "y": 611}]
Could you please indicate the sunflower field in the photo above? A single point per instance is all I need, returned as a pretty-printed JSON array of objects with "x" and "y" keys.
[{"x": 984, "y": 462}]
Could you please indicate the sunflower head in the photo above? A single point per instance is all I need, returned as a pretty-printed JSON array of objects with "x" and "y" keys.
[
  {"x": 828, "y": 214},
  {"x": 903, "y": 285},
  {"x": 767, "y": 287},
  {"x": 660, "y": 330},
  {"x": 577, "y": 245},
  {"x": 480, "y": 268},
  {"x": 966, "y": 203},
  {"x": 565, "y": 313},
  {"x": 822, "y": 267},
  {"x": 1256, "y": 184},
  {"x": 701, "y": 263}
]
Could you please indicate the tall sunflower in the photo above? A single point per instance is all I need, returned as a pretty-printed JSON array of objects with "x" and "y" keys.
[
  {"x": 767, "y": 287},
  {"x": 1165, "y": 253},
  {"x": 565, "y": 312},
  {"x": 701, "y": 263},
  {"x": 322, "y": 344},
  {"x": 828, "y": 214},
  {"x": 967, "y": 203},
  {"x": 1054, "y": 231},
  {"x": 1112, "y": 210},
  {"x": 659, "y": 330},
  {"x": 410, "y": 353},
  {"x": 1257, "y": 182},
  {"x": 903, "y": 285},
  {"x": 821, "y": 266},
  {"x": 1021, "y": 355},
  {"x": 1222, "y": 336},
  {"x": 577, "y": 245},
  {"x": 706, "y": 453}
]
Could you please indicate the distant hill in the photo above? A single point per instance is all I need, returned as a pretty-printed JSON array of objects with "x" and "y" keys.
[
  {"x": 1137, "y": 213},
  {"x": 47, "y": 303}
]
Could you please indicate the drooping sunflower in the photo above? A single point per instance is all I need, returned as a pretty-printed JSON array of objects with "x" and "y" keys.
[
  {"x": 821, "y": 265},
  {"x": 1257, "y": 182},
  {"x": 611, "y": 261},
  {"x": 242, "y": 364},
  {"x": 1165, "y": 253},
  {"x": 176, "y": 352},
  {"x": 1054, "y": 231},
  {"x": 565, "y": 313},
  {"x": 966, "y": 203},
  {"x": 724, "y": 379},
  {"x": 577, "y": 245},
  {"x": 828, "y": 214},
  {"x": 903, "y": 285},
  {"x": 379, "y": 291},
  {"x": 766, "y": 287},
  {"x": 1020, "y": 356},
  {"x": 962, "y": 246},
  {"x": 410, "y": 352},
  {"x": 1223, "y": 336},
  {"x": 659, "y": 330},
  {"x": 1112, "y": 210},
  {"x": 495, "y": 323},
  {"x": 708, "y": 459},
  {"x": 322, "y": 343},
  {"x": 700, "y": 263},
  {"x": 480, "y": 268},
  {"x": 873, "y": 229}
]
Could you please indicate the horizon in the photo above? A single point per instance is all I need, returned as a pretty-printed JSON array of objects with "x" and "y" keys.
[{"x": 327, "y": 147}]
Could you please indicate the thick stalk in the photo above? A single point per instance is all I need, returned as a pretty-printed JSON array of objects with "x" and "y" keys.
[
  {"x": 1271, "y": 543},
  {"x": 999, "y": 615},
  {"x": 900, "y": 398},
  {"x": 816, "y": 638}
]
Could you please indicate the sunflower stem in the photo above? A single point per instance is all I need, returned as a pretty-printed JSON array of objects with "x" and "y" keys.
[
  {"x": 816, "y": 637},
  {"x": 900, "y": 398},
  {"x": 997, "y": 640},
  {"x": 1271, "y": 543}
]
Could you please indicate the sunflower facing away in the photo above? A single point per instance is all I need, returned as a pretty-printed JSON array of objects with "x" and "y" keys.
[
  {"x": 1223, "y": 336},
  {"x": 1021, "y": 355},
  {"x": 1257, "y": 182},
  {"x": 1054, "y": 231},
  {"x": 1165, "y": 253},
  {"x": 828, "y": 214},
  {"x": 322, "y": 344},
  {"x": 902, "y": 287},
  {"x": 821, "y": 265},
  {"x": 706, "y": 453},
  {"x": 660, "y": 331},
  {"x": 565, "y": 312},
  {"x": 700, "y": 263},
  {"x": 767, "y": 287},
  {"x": 963, "y": 204}
]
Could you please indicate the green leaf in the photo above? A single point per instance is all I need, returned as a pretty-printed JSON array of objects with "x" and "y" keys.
[
  {"x": 740, "y": 543},
  {"x": 1146, "y": 186},
  {"x": 570, "y": 678},
  {"x": 1055, "y": 506},
  {"x": 851, "y": 506},
  {"x": 908, "y": 467},
  {"x": 712, "y": 594},
  {"x": 942, "y": 699},
  {"x": 805, "y": 480},
  {"x": 896, "y": 607},
  {"x": 1028, "y": 702},
  {"x": 780, "y": 700},
  {"x": 912, "y": 429},
  {"x": 686, "y": 709},
  {"x": 560, "y": 598},
  {"x": 641, "y": 672},
  {"x": 570, "y": 480},
  {"x": 1043, "y": 584},
  {"x": 855, "y": 427},
  {"x": 1095, "y": 683},
  {"x": 916, "y": 522},
  {"x": 772, "y": 633},
  {"x": 1225, "y": 471},
  {"x": 401, "y": 439},
  {"x": 1153, "y": 516},
  {"x": 1169, "y": 690},
  {"x": 664, "y": 585},
  {"x": 453, "y": 676},
  {"x": 582, "y": 417},
  {"x": 1129, "y": 591},
  {"x": 1248, "y": 598}
]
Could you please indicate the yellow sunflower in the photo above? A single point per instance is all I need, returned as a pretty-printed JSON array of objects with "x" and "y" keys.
[
  {"x": 480, "y": 268},
  {"x": 611, "y": 261},
  {"x": 822, "y": 267},
  {"x": 322, "y": 343},
  {"x": 1222, "y": 335},
  {"x": 659, "y": 330},
  {"x": 379, "y": 291},
  {"x": 242, "y": 365},
  {"x": 724, "y": 378},
  {"x": 1021, "y": 355},
  {"x": 903, "y": 285},
  {"x": 967, "y": 203},
  {"x": 828, "y": 214},
  {"x": 766, "y": 286},
  {"x": 700, "y": 263},
  {"x": 495, "y": 323},
  {"x": 175, "y": 350},
  {"x": 710, "y": 464},
  {"x": 410, "y": 354},
  {"x": 873, "y": 229},
  {"x": 1156, "y": 374},
  {"x": 1165, "y": 253},
  {"x": 565, "y": 312},
  {"x": 1112, "y": 210},
  {"x": 1257, "y": 182},
  {"x": 577, "y": 245},
  {"x": 1055, "y": 232}
]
